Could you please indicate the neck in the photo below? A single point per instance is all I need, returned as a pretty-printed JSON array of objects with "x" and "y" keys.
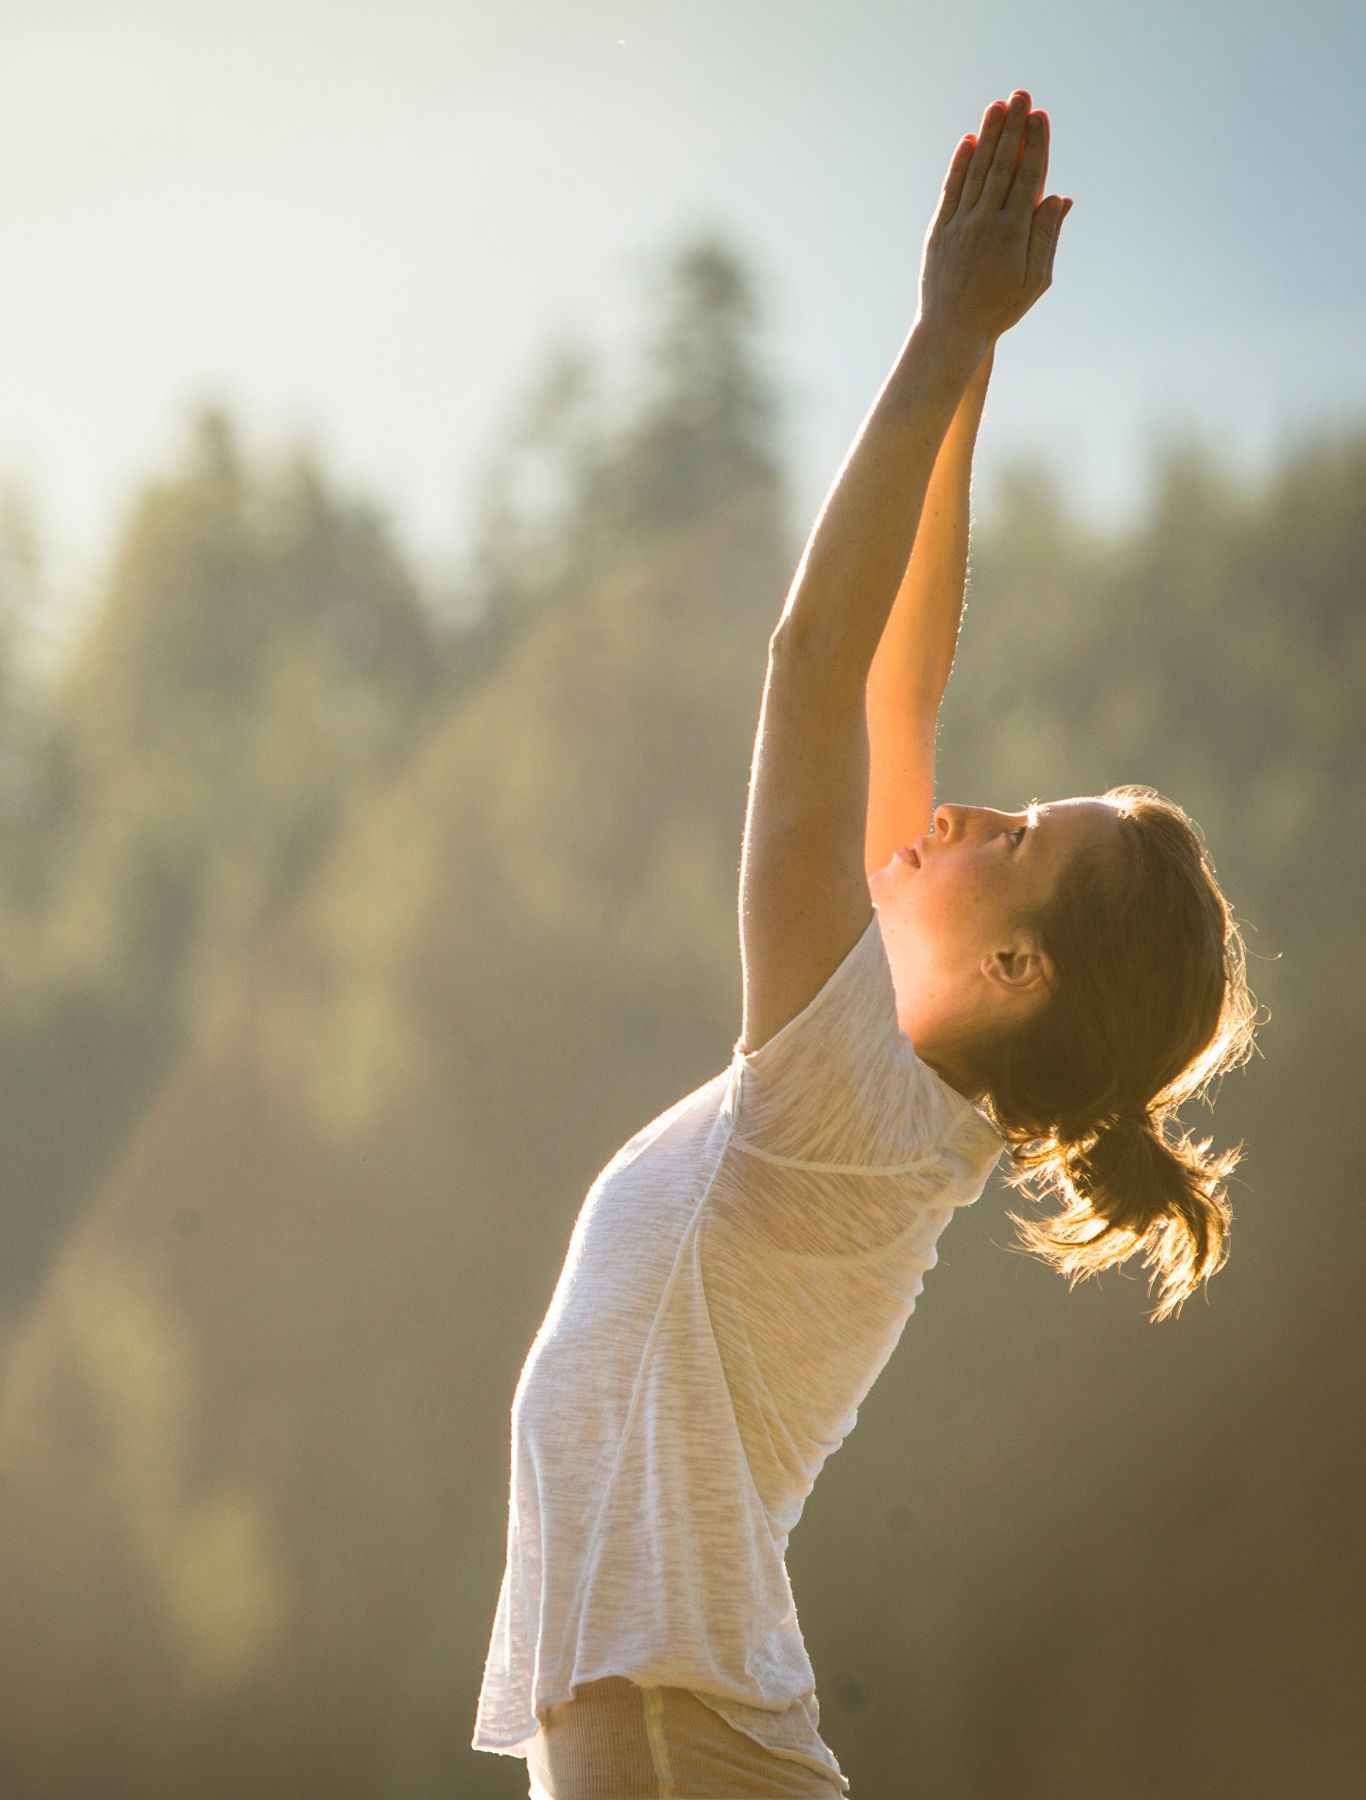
[{"x": 954, "y": 1064}]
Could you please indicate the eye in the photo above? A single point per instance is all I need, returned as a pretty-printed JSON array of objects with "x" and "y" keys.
[{"x": 1017, "y": 836}]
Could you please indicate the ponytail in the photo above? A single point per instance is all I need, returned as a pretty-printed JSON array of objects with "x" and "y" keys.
[
  {"x": 1151, "y": 998},
  {"x": 1129, "y": 1187}
]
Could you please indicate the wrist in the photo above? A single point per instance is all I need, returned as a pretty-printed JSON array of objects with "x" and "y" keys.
[{"x": 962, "y": 348}]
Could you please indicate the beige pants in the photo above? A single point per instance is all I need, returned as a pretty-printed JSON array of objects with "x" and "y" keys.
[{"x": 617, "y": 1741}]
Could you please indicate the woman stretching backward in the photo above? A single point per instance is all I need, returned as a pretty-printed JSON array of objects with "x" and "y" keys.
[{"x": 924, "y": 986}]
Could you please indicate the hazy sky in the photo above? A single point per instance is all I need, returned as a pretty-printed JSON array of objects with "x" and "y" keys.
[{"x": 366, "y": 218}]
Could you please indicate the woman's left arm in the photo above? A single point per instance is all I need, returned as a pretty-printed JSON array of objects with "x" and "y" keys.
[
  {"x": 910, "y": 670},
  {"x": 804, "y": 895}
]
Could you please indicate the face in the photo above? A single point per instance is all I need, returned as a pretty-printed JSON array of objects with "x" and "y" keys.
[{"x": 954, "y": 918}]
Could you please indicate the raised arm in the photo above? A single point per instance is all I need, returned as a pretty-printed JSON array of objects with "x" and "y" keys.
[
  {"x": 803, "y": 889},
  {"x": 803, "y": 885},
  {"x": 915, "y": 653}
]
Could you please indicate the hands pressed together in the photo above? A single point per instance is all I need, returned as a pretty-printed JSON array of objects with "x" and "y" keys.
[{"x": 989, "y": 250}]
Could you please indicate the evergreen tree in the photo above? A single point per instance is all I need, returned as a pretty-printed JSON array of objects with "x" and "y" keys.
[
  {"x": 708, "y": 424},
  {"x": 257, "y": 662},
  {"x": 362, "y": 1163}
]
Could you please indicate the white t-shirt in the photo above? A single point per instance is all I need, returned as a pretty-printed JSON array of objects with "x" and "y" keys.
[{"x": 736, "y": 1280}]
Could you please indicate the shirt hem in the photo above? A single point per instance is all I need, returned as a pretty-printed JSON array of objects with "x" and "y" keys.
[
  {"x": 819, "y": 1764},
  {"x": 520, "y": 1746}
]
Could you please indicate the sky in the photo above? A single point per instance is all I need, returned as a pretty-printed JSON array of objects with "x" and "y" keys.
[{"x": 365, "y": 221}]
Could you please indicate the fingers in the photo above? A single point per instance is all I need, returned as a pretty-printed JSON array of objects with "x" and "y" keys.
[
  {"x": 992, "y": 121},
  {"x": 1043, "y": 241},
  {"x": 1006, "y": 153},
  {"x": 1010, "y": 161},
  {"x": 1029, "y": 177},
  {"x": 1053, "y": 247},
  {"x": 957, "y": 175}
]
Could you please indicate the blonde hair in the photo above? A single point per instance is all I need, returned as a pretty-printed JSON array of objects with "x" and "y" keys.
[{"x": 1150, "y": 1006}]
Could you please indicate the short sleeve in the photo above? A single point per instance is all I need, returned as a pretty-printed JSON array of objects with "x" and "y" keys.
[{"x": 840, "y": 1087}]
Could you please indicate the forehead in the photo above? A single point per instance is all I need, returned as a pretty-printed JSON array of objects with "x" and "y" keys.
[
  {"x": 1079, "y": 810},
  {"x": 1066, "y": 825}
]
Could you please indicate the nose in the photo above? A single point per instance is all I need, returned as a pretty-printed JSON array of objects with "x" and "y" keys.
[{"x": 953, "y": 822}]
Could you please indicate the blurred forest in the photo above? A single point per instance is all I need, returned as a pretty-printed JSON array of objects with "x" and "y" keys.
[{"x": 349, "y": 927}]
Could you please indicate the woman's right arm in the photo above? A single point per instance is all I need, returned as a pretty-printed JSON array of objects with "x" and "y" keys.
[{"x": 915, "y": 653}]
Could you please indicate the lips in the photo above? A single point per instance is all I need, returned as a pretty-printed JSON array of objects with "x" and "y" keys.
[{"x": 910, "y": 854}]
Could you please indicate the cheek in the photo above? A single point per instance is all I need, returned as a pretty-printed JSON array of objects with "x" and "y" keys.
[
  {"x": 940, "y": 909},
  {"x": 955, "y": 901},
  {"x": 967, "y": 904},
  {"x": 958, "y": 888}
]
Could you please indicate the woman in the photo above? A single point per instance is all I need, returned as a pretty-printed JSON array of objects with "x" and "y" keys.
[{"x": 1053, "y": 981}]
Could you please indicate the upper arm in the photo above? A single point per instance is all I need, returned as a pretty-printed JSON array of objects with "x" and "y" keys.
[{"x": 804, "y": 898}]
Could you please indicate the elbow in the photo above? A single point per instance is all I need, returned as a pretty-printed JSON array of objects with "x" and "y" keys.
[
  {"x": 792, "y": 635},
  {"x": 783, "y": 632}
]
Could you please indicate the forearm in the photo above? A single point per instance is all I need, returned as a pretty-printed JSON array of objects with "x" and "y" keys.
[
  {"x": 856, "y": 558},
  {"x": 910, "y": 668}
]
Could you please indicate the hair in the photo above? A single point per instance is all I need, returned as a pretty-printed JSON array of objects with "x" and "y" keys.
[{"x": 1148, "y": 1006}]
